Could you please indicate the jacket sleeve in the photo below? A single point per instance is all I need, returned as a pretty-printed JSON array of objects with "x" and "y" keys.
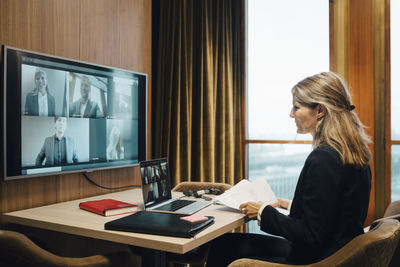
[
  {"x": 317, "y": 195},
  {"x": 41, "y": 156}
]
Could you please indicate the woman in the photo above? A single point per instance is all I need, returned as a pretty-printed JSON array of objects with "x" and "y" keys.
[
  {"x": 331, "y": 199},
  {"x": 114, "y": 149},
  {"x": 40, "y": 102}
]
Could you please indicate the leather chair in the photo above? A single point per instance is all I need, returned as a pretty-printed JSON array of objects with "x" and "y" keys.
[
  {"x": 372, "y": 249},
  {"x": 199, "y": 256},
  {"x": 391, "y": 212},
  {"x": 18, "y": 250}
]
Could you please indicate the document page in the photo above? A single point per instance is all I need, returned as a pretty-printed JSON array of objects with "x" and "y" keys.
[{"x": 244, "y": 191}]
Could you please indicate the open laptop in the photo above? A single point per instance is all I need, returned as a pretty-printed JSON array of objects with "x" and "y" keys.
[{"x": 156, "y": 187}]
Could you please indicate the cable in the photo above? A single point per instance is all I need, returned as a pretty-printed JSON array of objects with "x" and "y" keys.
[{"x": 106, "y": 187}]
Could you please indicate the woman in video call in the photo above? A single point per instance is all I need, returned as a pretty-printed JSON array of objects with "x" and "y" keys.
[
  {"x": 114, "y": 149},
  {"x": 40, "y": 102},
  {"x": 332, "y": 194}
]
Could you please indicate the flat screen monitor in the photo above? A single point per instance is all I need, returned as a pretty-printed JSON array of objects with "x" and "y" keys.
[{"x": 62, "y": 115}]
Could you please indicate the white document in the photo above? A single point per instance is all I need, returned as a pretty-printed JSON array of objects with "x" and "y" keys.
[{"x": 244, "y": 191}]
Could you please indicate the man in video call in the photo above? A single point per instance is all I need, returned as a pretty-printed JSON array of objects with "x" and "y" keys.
[
  {"x": 84, "y": 107},
  {"x": 57, "y": 149}
]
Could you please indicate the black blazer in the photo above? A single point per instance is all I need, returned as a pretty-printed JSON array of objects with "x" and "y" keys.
[
  {"x": 328, "y": 209},
  {"x": 32, "y": 105}
]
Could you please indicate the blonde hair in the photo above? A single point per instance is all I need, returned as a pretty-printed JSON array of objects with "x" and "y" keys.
[
  {"x": 340, "y": 128},
  {"x": 37, "y": 73}
]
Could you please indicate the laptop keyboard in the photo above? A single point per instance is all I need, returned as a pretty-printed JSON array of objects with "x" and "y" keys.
[{"x": 175, "y": 205}]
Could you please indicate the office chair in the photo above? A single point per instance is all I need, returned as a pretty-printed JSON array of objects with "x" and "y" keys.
[
  {"x": 196, "y": 257},
  {"x": 391, "y": 212},
  {"x": 18, "y": 250},
  {"x": 372, "y": 249}
]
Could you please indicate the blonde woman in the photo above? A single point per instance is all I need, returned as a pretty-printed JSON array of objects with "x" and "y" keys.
[
  {"x": 40, "y": 102},
  {"x": 332, "y": 194}
]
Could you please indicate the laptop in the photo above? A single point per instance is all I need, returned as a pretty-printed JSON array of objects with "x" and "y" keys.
[{"x": 156, "y": 189}]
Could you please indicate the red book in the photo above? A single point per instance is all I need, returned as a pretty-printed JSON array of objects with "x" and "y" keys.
[{"x": 108, "y": 207}]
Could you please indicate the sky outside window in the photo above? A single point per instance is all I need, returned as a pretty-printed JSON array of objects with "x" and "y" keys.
[{"x": 288, "y": 40}]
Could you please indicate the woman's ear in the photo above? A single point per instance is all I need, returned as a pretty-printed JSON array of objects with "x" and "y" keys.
[{"x": 321, "y": 111}]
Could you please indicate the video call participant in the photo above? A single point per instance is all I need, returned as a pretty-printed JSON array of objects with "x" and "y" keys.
[
  {"x": 121, "y": 106},
  {"x": 40, "y": 102},
  {"x": 115, "y": 150},
  {"x": 84, "y": 107},
  {"x": 151, "y": 194},
  {"x": 57, "y": 149},
  {"x": 331, "y": 200}
]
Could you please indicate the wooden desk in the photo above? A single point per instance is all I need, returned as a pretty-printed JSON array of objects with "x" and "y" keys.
[{"x": 67, "y": 217}]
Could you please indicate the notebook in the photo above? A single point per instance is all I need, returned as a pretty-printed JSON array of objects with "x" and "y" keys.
[{"x": 156, "y": 187}]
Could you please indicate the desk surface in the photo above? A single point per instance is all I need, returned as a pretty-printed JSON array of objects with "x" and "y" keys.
[{"x": 67, "y": 217}]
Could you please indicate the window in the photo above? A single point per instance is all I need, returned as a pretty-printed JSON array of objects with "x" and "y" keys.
[
  {"x": 395, "y": 95},
  {"x": 287, "y": 41}
]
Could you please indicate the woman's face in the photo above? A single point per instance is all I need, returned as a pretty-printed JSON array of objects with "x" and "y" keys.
[
  {"x": 40, "y": 81},
  {"x": 306, "y": 118}
]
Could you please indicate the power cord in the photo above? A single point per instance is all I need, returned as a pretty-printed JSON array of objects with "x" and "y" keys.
[{"x": 106, "y": 187}]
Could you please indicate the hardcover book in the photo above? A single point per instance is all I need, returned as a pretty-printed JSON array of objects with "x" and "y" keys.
[{"x": 108, "y": 207}]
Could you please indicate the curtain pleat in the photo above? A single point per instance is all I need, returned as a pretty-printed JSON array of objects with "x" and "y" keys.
[{"x": 198, "y": 95}]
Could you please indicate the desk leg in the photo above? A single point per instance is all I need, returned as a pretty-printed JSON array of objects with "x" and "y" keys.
[{"x": 150, "y": 257}]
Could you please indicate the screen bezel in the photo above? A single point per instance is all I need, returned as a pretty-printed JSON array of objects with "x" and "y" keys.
[{"x": 11, "y": 102}]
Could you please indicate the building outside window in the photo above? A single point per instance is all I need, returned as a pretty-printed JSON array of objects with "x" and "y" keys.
[{"x": 287, "y": 40}]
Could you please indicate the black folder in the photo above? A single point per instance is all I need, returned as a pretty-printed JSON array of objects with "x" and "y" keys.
[{"x": 157, "y": 223}]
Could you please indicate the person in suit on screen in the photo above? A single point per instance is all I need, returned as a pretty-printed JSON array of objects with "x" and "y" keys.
[
  {"x": 84, "y": 107},
  {"x": 331, "y": 199},
  {"x": 58, "y": 149},
  {"x": 40, "y": 102}
]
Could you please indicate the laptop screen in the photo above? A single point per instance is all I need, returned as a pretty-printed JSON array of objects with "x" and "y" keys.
[{"x": 156, "y": 181}]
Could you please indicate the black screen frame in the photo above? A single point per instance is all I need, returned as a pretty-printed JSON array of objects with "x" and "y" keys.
[{"x": 11, "y": 105}]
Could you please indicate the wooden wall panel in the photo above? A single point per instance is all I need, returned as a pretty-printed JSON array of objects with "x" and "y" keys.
[
  {"x": 66, "y": 28},
  {"x": 382, "y": 142},
  {"x": 99, "y": 32},
  {"x": 134, "y": 20},
  {"x": 108, "y": 32},
  {"x": 353, "y": 58},
  {"x": 361, "y": 73},
  {"x": 339, "y": 37}
]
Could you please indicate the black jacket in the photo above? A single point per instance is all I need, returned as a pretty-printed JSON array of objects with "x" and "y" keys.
[{"x": 328, "y": 209}]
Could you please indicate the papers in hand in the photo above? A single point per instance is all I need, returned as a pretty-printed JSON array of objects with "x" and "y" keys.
[{"x": 244, "y": 191}]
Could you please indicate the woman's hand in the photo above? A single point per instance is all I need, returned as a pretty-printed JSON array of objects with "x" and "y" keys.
[
  {"x": 250, "y": 209},
  {"x": 282, "y": 203}
]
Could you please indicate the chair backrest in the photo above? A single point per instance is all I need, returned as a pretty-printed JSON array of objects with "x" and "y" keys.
[
  {"x": 392, "y": 209},
  {"x": 196, "y": 186},
  {"x": 372, "y": 249},
  {"x": 18, "y": 250}
]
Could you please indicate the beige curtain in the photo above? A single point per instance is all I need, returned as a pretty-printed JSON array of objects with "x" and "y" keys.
[{"x": 198, "y": 95}]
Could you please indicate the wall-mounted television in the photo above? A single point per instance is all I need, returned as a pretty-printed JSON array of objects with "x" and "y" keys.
[{"x": 62, "y": 115}]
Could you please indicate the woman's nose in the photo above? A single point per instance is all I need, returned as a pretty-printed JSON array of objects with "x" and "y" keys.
[{"x": 291, "y": 113}]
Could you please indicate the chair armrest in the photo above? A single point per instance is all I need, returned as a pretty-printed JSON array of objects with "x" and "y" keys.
[
  {"x": 19, "y": 250},
  {"x": 376, "y": 222},
  {"x": 259, "y": 263}
]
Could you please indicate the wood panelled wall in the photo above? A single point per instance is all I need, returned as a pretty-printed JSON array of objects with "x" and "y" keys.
[
  {"x": 353, "y": 57},
  {"x": 108, "y": 32}
]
